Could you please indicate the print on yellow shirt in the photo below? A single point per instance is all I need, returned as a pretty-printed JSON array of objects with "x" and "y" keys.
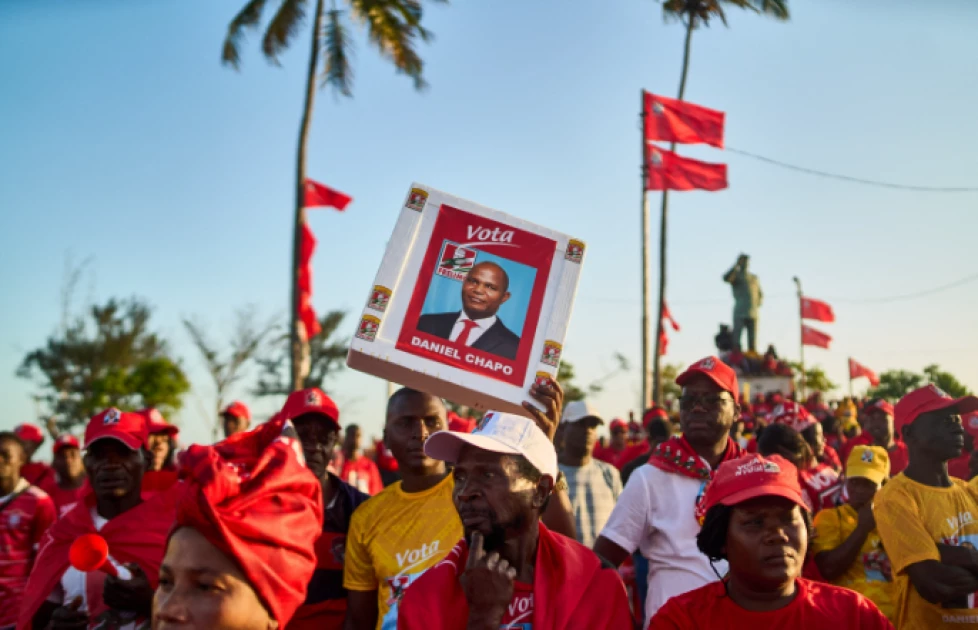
[{"x": 394, "y": 538}]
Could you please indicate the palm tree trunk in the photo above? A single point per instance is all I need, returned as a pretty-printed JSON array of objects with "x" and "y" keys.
[
  {"x": 299, "y": 344},
  {"x": 656, "y": 360}
]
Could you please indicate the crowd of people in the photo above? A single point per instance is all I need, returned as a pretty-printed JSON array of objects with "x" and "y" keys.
[{"x": 724, "y": 513}]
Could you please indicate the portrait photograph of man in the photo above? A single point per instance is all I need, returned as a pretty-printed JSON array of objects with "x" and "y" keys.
[{"x": 478, "y": 324}]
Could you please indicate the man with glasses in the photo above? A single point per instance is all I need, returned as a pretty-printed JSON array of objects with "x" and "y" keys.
[
  {"x": 928, "y": 520},
  {"x": 658, "y": 512}
]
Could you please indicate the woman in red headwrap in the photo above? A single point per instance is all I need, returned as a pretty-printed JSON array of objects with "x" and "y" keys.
[{"x": 242, "y": 550}]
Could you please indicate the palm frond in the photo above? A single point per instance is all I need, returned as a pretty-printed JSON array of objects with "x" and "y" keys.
[
  {"x": 283, "y": 28},
  {"x": 338, "y": 50},
  {"x": 249, "y": 17},
  {"x": 777, "y": 9},
  {"x": 706, "y": 10},
  {"x": 394, "y": 28}
]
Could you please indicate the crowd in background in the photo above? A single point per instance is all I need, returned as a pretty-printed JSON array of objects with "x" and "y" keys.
[{"x": 715, "y": 512}]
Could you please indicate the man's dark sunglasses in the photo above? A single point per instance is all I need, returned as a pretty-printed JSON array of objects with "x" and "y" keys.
[{"x": 709, "y": 401}]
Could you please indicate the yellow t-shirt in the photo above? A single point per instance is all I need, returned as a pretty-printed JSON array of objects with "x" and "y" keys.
[
  {"x": 912, "y": 518},
  {"x": 866, "y": 575},
  {"x": 394, "y": 537}
]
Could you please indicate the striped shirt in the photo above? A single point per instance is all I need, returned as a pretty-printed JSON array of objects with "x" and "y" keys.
[{"x": 593, "y": 490}]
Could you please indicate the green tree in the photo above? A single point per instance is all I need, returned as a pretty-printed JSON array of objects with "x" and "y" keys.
[
  {"x": 566, "y": 376},
  {"x": 393, "y": 26},
  {"x": 815, "y": 379},
  {"x": 327, "y": 356},
  {"x": 895, "y": 384},
  {"x": 692, "y": 13},
  {"x": 225, "y": 368},
  {"x": 108, "y": 358}
]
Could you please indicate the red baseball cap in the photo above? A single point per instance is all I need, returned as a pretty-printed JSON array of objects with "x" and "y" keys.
[
  {"x": 793, "y": 415},
  {"x": 156, "y": 423},
  {"x": 618, "y": 423},
  {"x": 925, "y": 400},
  {"x": 753, "y": 476},
  {"x": 311, "y": 400},
  {"x": 653, "y": 413},
  {"x": 717, "y": 371},
  {"x": 237, "y": 409},
  {"x": 28, "y": 432},
  {"x": 881, "y": 405},
  {"x": 63, "y": 442},
  {"x": 128, "y": 427}
]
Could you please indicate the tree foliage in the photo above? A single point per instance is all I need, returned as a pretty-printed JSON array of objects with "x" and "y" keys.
[
  {"x": 327, "y": 356},
  {"x": 706, "y": 10},
  {"x": 108, "y": 358},
  {"x": 816, "y": 380},
  {"x": 393, "y": 27},
  {"x": 895, "y": 384},
  {"x": 225, "y": 367}
]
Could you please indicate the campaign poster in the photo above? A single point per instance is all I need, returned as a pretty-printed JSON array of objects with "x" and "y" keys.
[{"x": 477, "y": 300}]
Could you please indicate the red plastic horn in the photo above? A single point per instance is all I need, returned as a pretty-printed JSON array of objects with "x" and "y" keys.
[{"x": 90, "y": 552}]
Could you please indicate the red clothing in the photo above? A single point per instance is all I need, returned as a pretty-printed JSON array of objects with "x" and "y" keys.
[
  {"x": 751, "y": 445},
  {"x": 571, "y": 590},
  {"x": 361, "y": 473},
  {"x": 958, "y": 467},
  {"x": 24, "y": 517},
  {"x": 618, "y": 459},
  {"x": 37, "y": 474},
  {"x": 819, "y": 483},
  {"x": 831, "y": 457},
  {"x": 815, "y": 607},
  {"x": 64, "y": 499},
  {"x": 138, "y": 535},
  {"x": 899, "y": 455},
  {"x": 863, "y": 439}
]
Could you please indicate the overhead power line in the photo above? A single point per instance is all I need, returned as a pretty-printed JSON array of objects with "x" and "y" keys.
[{"x": 854, "y": 180}]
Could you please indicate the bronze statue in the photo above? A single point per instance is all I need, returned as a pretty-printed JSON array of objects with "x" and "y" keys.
[{"x": 747, "y": 300}]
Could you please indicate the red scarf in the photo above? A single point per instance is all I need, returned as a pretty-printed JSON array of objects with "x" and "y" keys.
[
  {"x": 138, "y": 535},
  {"x": 570, "y": 590},
  {"x": 675, "y": 455}
]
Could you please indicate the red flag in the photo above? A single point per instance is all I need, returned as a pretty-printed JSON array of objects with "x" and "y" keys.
[
  {"x": 306, "y": 313},
  {"x": 320, "y": 195},
  {"x": 669, "y": 171},
  {"x": 663, "y": 342},
  {"x": 670, "y": 120},
  {"x": 812, "y": 337},
  {"x": 817, "y": 310},
  {"x": 858, "y": 369},
  {"x": 667, "y": 315}
]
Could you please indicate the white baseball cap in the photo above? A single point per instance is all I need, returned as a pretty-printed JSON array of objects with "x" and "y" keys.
[
  {"x": 499, "y": 433},
  {"x": 578, "y": 410}
]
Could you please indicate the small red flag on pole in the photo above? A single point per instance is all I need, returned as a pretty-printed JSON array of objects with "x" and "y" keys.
[
  {"x": 670, "y": 171},
  {"x": 817, "y": 310},
  {"x": 857, "y": 369},
  {"x": 669, "y": 120},
  {"x": 812, "y": 337},
  {"x": 318, "y": 195}
]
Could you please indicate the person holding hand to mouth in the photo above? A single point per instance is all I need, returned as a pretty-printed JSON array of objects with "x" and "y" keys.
[{"x": 758, "y": 523}]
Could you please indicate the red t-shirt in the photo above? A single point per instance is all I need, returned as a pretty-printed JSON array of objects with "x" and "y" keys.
[
  {"x": 362, "y": 474},
  {"x": 815, "y": 607},
  {"x": 819, "y": 483},
  {"x": 618, "y": 459},
  {"x": 37, "y": 473},
  {"x": 831, "y": 457},
  {"x": 863, "y": 439},
  {"x": 64, "y": 499},
  {"x": 899, "y": 455},
  {"x": 23, "y": 520},
  {"x": 519, "y": 613}
]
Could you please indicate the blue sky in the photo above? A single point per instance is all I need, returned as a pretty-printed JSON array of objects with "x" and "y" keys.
[{"x": 123, "y": 138}]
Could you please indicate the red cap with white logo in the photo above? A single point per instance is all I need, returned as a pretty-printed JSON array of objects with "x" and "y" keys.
[
  {"x": 311, "y": 400},
  {"x": 753, "y": 476},
  {"x": 64, "y": 441},
  {"x": 125, "y": 426},
  {"x": 715, "y": 370}
]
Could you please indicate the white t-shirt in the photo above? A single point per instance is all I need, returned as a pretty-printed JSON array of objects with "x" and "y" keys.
[
  {"x": 73, "y": 583},
  {"x": 656, "y": 515}
]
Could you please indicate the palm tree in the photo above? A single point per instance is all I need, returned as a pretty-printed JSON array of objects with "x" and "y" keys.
[
  {"x": 692, "y": 13},
  {"x": 393, "y": 26}
]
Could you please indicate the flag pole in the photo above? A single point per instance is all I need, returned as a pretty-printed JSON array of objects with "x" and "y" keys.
[
  {"x": 801, "y": 332},
  {"x": 646, "y": 269},
  {"x": 849, "y": 367}
]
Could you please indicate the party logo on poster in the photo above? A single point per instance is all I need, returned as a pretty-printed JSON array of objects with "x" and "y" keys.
[
  {"x": 551, "y": 353},
  {"x": 575, "y": 251},
  {"x": 367, "y": 330},
  {"x": 379, "y": 298},
  {"x": 417, "y": 199},
  {"x": 455, "y": 261},
  {"x": 543, "y": 378}
]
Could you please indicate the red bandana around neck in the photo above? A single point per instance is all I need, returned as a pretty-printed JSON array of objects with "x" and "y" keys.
[{"x": 675, "y": 455}]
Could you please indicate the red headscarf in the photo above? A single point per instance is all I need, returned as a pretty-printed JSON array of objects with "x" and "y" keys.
[{"x": 252, "y": 497}]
